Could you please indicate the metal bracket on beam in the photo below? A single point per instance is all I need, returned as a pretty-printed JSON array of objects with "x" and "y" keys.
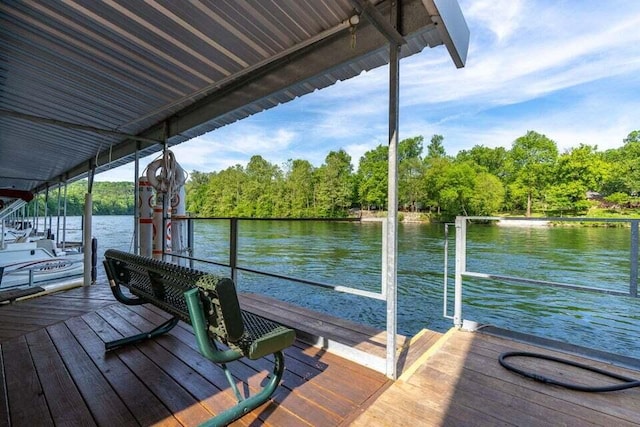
[{"x": 379, "y": 21}]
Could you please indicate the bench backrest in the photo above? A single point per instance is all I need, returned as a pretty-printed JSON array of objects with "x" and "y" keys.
[{"x": 164, "y": 284}]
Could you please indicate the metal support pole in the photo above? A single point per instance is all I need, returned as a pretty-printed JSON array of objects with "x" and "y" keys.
[
  {"x": 633, "y": 280},
  {"x": 392, "y": 211},
  {"x": 35, "y": 214},
  {"x": 233, "y": 248},
  {"x": 445, "y": 284},
  {"x": 461, "y": 266},
  {"x": 165, "y": 212},
  {"x": 64, "y": 219},
  {"x": 137, "y": 202},
  {"x": 58, "y": 216},
  {"x": 46, "y": 211},
  {"x": 384, "y": 258},
  {"x": 86, "y": 236},
  {"x": 190, "y": 241}
]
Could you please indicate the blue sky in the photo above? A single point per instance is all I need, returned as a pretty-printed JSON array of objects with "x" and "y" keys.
[{"x": 567, "y": 69}]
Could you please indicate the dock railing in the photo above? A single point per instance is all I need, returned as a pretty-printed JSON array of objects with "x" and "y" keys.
[
  {"x": 235, "y": 266},
  {"x": 461, "y": 271}
]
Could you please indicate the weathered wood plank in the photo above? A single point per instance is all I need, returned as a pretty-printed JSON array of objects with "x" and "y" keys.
[
  {"x": 525, "y": 401},
  {"x": 184, "y": 407},
  {"x": 104, "y": 403},
  {"x": 63, "y": 398},
  {"x": 209, "y": 395},
  {"x": 299, "y": 377},
  {"x": 253, "y": 372},
  {"x": 27, "y": 403},
  {"x": 142, "y": 403},
  {"x": 620, "y": 406},
  {"x": 4, "y": 401}
]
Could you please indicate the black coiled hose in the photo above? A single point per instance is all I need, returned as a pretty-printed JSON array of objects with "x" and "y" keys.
[{"x": 628, "y": 382}]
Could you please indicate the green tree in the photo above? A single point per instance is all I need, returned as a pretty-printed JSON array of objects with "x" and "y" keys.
[
  {"x": 488, "y": 195},
  {"x": 435, "y": 149},
  {"x": 432, "y": 184},
  {"x": 410, "y": 171},
  {"x": 300, "y": 188},
  {"x": 578, "y": 170},
  {"x": 260, "y": 188},
  {"x": 335, "y": 184},
  {"x": 196, "y": 190},
  {"x": 493, "y": 160},
  {"x": 531, "y": 161},
  {"x": 225, "y": 192},
  {"x": 372, "y": 178},
  {"x": 457, "y": 186}
]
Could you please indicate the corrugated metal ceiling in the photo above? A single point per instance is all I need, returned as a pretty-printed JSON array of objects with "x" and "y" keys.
[{"x": 165, "y": 68}]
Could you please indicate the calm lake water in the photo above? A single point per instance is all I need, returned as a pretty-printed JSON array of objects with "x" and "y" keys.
[{"x": 348, "y": 254}]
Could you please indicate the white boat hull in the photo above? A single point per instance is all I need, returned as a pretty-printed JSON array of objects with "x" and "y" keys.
[{"x": 27, "y": 263}]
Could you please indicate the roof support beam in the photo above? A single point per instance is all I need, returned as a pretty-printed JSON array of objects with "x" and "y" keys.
[
  {"x": 77, "y": 126},
  {"x": 379, "y": 21}
]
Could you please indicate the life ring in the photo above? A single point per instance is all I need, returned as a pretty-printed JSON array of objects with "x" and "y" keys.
[
  {"x": 165, "y": 174},
  {"x": 158, "y": 181}
]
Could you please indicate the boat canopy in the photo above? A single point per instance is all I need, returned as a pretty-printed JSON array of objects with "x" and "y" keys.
[{"x": 84, "y": 84}]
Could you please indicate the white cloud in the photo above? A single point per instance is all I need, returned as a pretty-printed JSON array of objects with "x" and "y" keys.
[{"x": 500, "y": 17}]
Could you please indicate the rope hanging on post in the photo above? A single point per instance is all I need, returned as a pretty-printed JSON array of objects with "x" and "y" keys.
[{"x": 165, "y": 174}]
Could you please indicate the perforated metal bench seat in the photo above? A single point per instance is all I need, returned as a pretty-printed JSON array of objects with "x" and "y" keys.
[{"x": 210, "y": 304}]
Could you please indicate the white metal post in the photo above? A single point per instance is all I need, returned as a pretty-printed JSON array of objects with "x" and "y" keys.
[
  {"x": 633, "y": 279},
  {"x": 64, "y": 219},
  {"x": 137, "y": 203},
  {"x": 461, "y": 266},
  {"x": 392, "y": 210},
  {"x": 384, "y": 258},
  {"x": 58, "y": 216},
  {"x": 86, "y": 239}
]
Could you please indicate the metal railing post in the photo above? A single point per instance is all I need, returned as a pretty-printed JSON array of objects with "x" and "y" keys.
[
  {"x": 190, "y": 241},
  {"x": 461, "y": 266},
  {"x": 445, "y": 284},
  {"x": 233, "y": 248},
  {"x": 384, "y": 258},
  {"x": 633, "y": 279}
]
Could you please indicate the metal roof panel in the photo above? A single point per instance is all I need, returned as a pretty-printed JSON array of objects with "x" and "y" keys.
[{"x": 143, "y": 68}]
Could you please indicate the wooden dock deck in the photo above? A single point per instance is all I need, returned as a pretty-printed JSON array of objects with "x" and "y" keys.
[
  {"x": 459, "y": 382},
  {"x": 54, "y": 371}
]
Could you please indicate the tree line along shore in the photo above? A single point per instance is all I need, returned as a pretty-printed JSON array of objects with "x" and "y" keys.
[{"x": 530, "y": 178}]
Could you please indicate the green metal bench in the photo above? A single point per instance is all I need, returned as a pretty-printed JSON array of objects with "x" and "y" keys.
[{"x": 210, "y": 304}]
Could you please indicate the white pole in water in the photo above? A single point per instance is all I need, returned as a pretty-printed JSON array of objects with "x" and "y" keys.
[
  {"x": 392, "y": 209},
  {"x": 86, "y": 240}
]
